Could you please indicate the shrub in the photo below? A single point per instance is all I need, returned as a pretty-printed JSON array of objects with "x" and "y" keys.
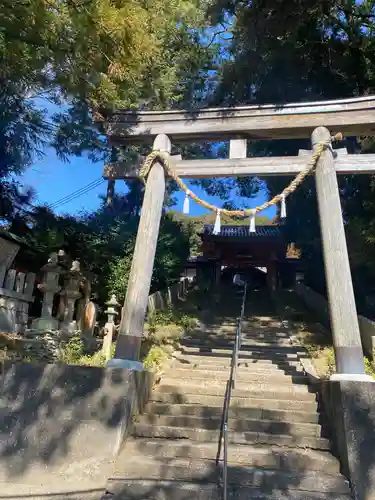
[
  {"x": 170, "y": 317},
  {"x": 160, "y": 318},
  {"x": 72, "y": 350},
  {"x": 188, "y": 322},
  {"x": 96, "y": 359},
  {"x": 155, "y": 358},
  {"x": 370, "y": 367}
]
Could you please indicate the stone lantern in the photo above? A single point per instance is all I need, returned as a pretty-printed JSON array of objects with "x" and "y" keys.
[
  {"x": 49, "y": 287},
  {"x": 109, "y": 327},
  {"x": 70, "y": 294}
]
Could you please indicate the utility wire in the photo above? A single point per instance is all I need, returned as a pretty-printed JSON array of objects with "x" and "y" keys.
[
  {"x": 83, "y": 188},
  {"x": 76, "y": 194},
  {"x": 72, "y": 196}
]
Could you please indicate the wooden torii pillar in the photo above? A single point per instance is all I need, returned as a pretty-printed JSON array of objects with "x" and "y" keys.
[
  {"x": 133, "y": 316},
  {"x": 343, "y": 312},
  {"x": 349, "y": 116}
]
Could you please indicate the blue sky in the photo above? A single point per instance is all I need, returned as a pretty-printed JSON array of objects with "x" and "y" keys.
[{"x": 53, "y": 179}]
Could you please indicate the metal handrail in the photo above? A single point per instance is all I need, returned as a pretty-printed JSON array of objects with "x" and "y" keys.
[{"x": 231, "y": 383}]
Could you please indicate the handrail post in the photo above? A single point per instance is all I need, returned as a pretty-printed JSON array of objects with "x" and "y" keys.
[
  {"x": 225, "y": 471},
  {"x": 235, "y": 352}
]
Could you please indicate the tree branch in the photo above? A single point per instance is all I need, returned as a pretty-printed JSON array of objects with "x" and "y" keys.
[{"x": 214, "y": 36}]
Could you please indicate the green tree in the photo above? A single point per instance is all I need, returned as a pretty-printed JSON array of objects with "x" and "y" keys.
[
  {"x": 171, "y": 254},
  {"x": 104, "y": 242}
]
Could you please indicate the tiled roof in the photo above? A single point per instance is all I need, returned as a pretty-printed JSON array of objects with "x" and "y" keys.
[
  {"x": 200, "y": 258},
  {"x": 243, "y": 231}
]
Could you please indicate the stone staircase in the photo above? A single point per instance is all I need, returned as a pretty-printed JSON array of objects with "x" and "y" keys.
[{"x": 278, "y": 440}]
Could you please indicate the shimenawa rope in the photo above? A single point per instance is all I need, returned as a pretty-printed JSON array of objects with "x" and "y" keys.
[{"x": 310, "y": 167}]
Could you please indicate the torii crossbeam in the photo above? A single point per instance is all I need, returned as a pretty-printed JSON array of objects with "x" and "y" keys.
[
  {"x": 350, "y": 116},
  {"x": 290, "y": 121}
]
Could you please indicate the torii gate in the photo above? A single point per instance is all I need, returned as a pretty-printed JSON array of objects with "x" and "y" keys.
[{"x": 352, "y": 117}]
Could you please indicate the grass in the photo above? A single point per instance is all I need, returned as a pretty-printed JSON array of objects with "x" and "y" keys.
[
  {"x": 74, "y": 352},
  {"x": 314, "y": 337},
  {"x": 164, "y": 330}
]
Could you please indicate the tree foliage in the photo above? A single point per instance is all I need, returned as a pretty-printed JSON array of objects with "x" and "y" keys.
[
  {"x": 86, "y": 57},
  {"x": 290, "y": 51},
  {"x": 102, "y": 52}
]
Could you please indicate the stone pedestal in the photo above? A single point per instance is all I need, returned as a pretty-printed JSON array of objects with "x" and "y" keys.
[
  {"x": 43, "y": 324},
  {"x": 350, "y": 406}
]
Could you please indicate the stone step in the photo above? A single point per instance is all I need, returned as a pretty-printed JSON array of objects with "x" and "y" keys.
[
  {"x": 121, "y": 489},
  {"x": 256, "y": 438},
  {"x": 211, "y": 361},
  {"x": 206, "y": 470},
  {"x": 256, "y": 456},
  {"x": 261, "y": 391},
  {"x": 256, "y": 334},
  {"x": 236, "y": 425},
  {"x": 243, "y": 376},
  {"x": 287, "y": 354},
  {"x": 237, "y": 402},
  {"x": 228, "y": 343},
  {"x": 231, "y": 335},
  {"x": 247, "y": 332},
  {"x": 227, "y": 346},
  {"x": 234, "y": 412},
  {"x": 243, "y": 367},
  {"x": 241, "y": 385}
]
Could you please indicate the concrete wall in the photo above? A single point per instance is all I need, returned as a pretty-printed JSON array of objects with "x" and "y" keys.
[
  {"x": 319, "y": 305},
  {"x": 61, "y": 427}
]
